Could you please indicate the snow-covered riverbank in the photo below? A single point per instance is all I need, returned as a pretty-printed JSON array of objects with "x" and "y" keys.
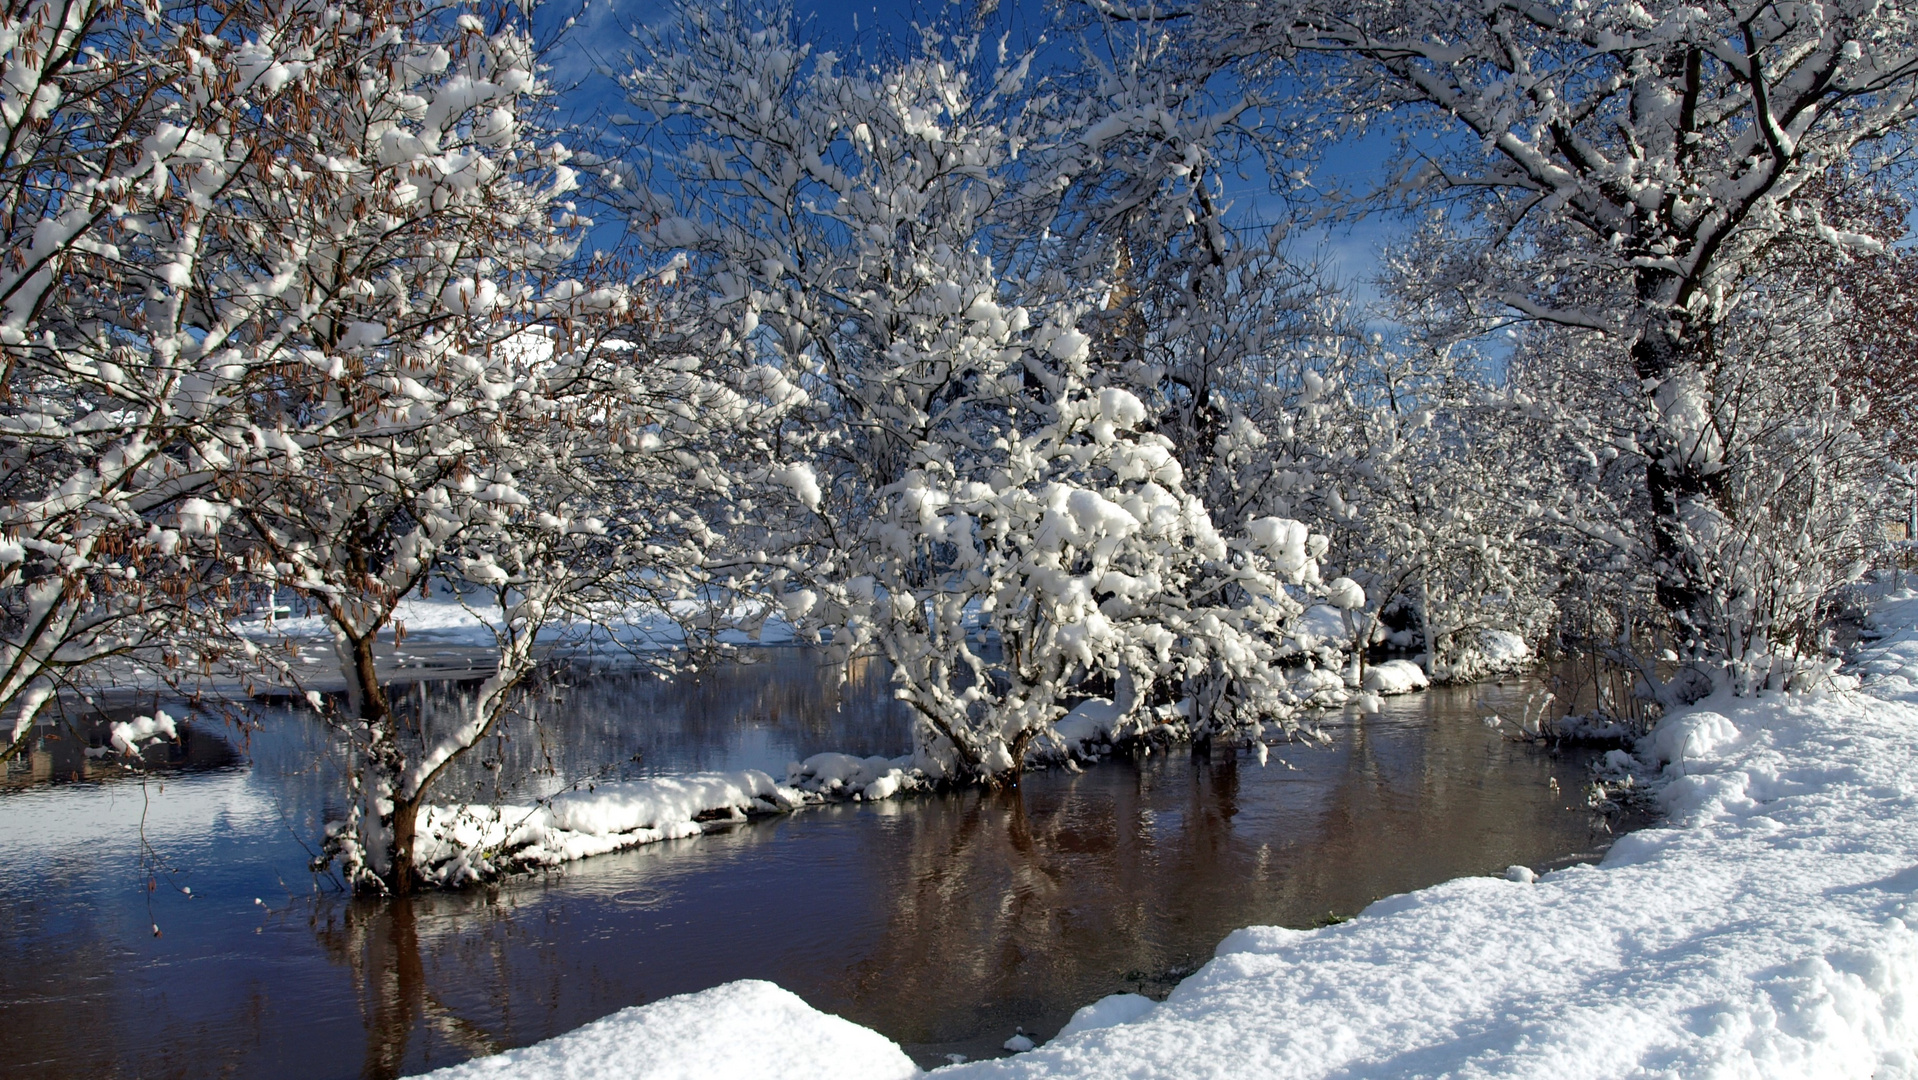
[
  {"x": 474, "y": 842},
  {"x": 1764, "y": 931}
]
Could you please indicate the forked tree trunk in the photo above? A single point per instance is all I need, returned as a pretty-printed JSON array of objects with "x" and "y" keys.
[{"x": 388, "y": 761}]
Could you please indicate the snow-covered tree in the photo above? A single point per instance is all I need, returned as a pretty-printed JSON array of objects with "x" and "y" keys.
[
  {"x": 120, "y": 124},
  {"x": 289, "y": 313},
  {"x": 1421, "y": 475},
  {"x": 1276, "y": 398},
  {"x": 964, "y": 465},
  {"x": 1008, "y": 582},
  {"x": 436, "y": 402},
  {"x": 1805, "y": 492},
  {"x": 1619, "y": 168}
]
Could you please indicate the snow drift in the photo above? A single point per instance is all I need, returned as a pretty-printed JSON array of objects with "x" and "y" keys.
[
  {"x": 741, "y": 1031},
  {"x": 1395, "y": 677}
]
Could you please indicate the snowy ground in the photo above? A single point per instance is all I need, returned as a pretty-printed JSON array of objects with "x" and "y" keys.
[
  {"x": 444, "y": 620},
  {"x": 1762, "y": 933}
]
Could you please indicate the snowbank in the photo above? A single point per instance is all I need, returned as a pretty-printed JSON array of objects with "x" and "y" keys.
[
  {"x": 1764, "y": 932},
  {"x": 1394, "y": 677},
  {"x": 473, "y": 842},
  {"x": 444, "y": 620},
  {"x": 740, "y": 1031},
  {"x": 870, "y": 778},
  {"x": 1496, "y": 652}
]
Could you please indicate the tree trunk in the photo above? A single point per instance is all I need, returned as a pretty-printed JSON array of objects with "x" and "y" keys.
[
  {"x": 1019, "y": 744},
  {"x": 1676, "y": 475},
  {"x": 406, "y": 815},
  {"x": 373, "y": 704},
  {"x": 389, "y": 760}
]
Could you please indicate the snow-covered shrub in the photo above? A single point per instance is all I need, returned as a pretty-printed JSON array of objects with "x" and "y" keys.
[{"x": 1071, "y": 563}]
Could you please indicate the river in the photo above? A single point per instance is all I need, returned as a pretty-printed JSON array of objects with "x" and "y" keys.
[{"x": 165, "y": 923}]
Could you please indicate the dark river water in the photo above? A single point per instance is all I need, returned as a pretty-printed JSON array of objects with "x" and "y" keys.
[{"x": 166, "y": 924}]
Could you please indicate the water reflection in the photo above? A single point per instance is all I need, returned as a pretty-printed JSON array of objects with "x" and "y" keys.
[
  {"x": 942, "y": 922},
  {"x": 75, "y": 749},
  {"x": 582, "y": 724}
]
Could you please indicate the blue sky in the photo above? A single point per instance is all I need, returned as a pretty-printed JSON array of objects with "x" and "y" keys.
[
  {"x": 601, "y": 28},
  {"x": 600, "y": 36}
]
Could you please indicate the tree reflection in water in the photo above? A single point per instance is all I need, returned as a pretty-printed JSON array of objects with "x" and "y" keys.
[{"x": 406, "y": 1021}]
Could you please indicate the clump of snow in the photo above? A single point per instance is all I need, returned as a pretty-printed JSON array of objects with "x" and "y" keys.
[
  {"x": 1318, "y": 686},
  {"x": 1690, "y": 736},
  {"x": 1394, "y": 677},
  {"x": 1345, "y": 593},
  {"x": 741, "y": 1031},
  {"x": 1502, "y": 647},
  {"x": 1019, "y": 1043},
  {"x": 803, "y": 482},
  {"x": 1322, "y": 627},
  {"x": 129, "y": 735},
  {"x": 1089, "y": 724}
]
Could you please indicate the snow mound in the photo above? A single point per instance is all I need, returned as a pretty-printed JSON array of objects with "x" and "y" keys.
[
  {"x": 1109, "y": 1011},
  {"x": 1395, "y": 677},
  {"x": 1496, "y": 652},
  {"x": 1693, "y": 735},
  {"x": 1321, "y": 627},
  {"x": 741, "y": 1031},
  {"x": 871, "y": 778},
  {"x": 1093, "y": 721},
  {"x": 1503, "y": 648},
  {"x": 463, "y": 843}
]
